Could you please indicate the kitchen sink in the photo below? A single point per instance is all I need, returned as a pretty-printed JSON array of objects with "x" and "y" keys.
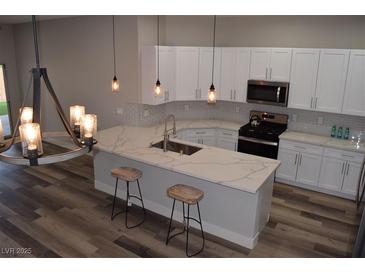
[{"x": 178, "y": 147}]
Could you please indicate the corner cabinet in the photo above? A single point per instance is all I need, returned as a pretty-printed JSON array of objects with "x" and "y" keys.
[
  {"x": 235, "y": 70},
  {"x": 318, "y": 168},
  {"x": 354, "y": 99},
  {"x": 303, "y": 78},
  {"x": 271, "y": 64},
  {"x": 167, "y": 75}
]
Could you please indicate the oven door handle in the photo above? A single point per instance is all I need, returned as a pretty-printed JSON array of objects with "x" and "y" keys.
[{"x": 259, "y": 141}]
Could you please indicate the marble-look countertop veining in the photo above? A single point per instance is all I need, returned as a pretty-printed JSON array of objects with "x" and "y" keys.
[
  {"x": 232, "y": 169},
  {"x": 325, "y": 141}
]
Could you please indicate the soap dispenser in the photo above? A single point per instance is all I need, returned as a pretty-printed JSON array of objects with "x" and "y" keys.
[{"x": 339, "y": 133}]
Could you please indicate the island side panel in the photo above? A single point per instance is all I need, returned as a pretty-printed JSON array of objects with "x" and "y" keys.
[{"x": 226, "y": 212}]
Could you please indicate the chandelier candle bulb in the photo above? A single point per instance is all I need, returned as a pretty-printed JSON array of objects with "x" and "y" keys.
[
  {"x": 88, "y": 128},
  {"x": 30, "y": 135},
  {"x": 76, "y": 114},
  {"x": 27, "y": 115}
]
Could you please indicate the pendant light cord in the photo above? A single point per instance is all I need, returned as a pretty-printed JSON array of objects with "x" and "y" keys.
[
  {"x": 115, "y": 67},
  {"x": 214, "y": 24},
  {"x": 158, "y": 47}
]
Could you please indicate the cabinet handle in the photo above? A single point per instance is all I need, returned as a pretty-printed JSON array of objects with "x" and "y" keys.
[
  {"x": 166, "y": 95},
  {"x": 315, "y": 103},
  {"x": 231, "y": 94},
  {"x": 300, "y": 160},
  {"x": 200, "y": 132},
  {"x": 300, "y": 147},
  {"x": 296, "y": 157},
  {"x": 228, "y": 134},
  {"x": 235, "y": 146},
  {"x": 235, "y": 94},
  {"x": 343, "y": 165},
  {"x": 270, "y": 72},
  {"x": 200, "y": 93},
  {"x": 348, "y": 167},
  {"x": 266, "y": 74},
  {"x": 196, "y": 93},
  {"x": 311, "y": 102}
]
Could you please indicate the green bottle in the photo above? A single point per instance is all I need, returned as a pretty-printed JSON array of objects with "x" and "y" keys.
[
  {"x": 333, "y": 131},
  {"x": 347, "y": 134},
  {"x": 339, "y": 133}
]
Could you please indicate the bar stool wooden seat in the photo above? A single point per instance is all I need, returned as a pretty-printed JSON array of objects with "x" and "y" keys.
[
  {"x": 187, "y": 195},
  {"x": 127, "y": 174}
]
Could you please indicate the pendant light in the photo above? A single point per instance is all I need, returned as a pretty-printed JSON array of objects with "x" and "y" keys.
[
  {"x": 212, "y": 96},
  {"x": 158, "y": 84},
  {"x": 115, "y": 82}
]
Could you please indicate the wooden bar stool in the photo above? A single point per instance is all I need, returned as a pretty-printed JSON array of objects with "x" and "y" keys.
[
  {"x": 187, "y": 195},
  {"x": 127, "y": 174}
]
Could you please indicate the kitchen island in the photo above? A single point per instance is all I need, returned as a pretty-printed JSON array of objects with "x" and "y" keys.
[{"x": 237, "y": 187}]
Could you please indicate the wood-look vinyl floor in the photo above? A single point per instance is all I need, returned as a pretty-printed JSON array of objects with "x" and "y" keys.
[{"x": 55, "y": 211}]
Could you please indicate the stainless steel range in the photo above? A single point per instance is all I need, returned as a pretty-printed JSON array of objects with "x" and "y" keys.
[{"x": 261, "y": 135}]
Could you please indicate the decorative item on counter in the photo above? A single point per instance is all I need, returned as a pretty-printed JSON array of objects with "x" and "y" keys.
[
  {"x": 347, "y": 133},
  {"x": 339, "y": 132},
  {"x": 333, "y": 131}
]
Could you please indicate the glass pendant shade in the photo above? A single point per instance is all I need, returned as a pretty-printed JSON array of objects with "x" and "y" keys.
[
  {"x": 76, "y": 114},
  {"x": 115, "y": 84},
  {"x": 88, "y": 128},
  {"x": 27, "y": 115},
  {"x": 1, "y": 132},
  {"x": 212, "y": 95},
  {"x": 158, "y": 88},
  {"x": 30, "y": 136}
]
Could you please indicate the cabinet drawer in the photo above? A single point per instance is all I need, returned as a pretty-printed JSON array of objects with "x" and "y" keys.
[
  {"x": 225, "y": 133},
  {"x": 344, "y": 155},
  {"x": 301, "y": 147},
  {"x": 201, "y": 132}
]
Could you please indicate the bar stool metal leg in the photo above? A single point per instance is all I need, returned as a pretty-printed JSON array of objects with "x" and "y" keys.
[
  {"x": 138, "y": 198},
  {"x": 114, "y": 199},
  {"x": 187, "y": 232},
  {"x": 172, "y": 214}
]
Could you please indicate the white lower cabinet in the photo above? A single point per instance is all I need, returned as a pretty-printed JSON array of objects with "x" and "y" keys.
[
  {"x": 297, "y": 165},
  {"x": 222, "y": 138},
  {"x": 329, "y": 170},
  {"x": 288, "y": 167},
  {"x": 309, "y": 167},
  {"x": 341, "y": 171},
  {"x": 227, "y": 143}
]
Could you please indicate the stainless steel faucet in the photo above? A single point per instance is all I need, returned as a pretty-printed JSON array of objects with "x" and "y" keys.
[{"x": 166, "y": 132}]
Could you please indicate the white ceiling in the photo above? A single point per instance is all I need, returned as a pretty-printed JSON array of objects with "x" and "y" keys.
[{"x": 17, "y": 19}]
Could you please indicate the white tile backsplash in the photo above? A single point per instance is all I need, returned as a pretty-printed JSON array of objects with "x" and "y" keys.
[{"x": 305, "y": 121}]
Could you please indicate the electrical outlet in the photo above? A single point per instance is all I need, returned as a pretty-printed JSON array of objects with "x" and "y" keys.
[
  {"x": 294, "y": 117},
  {"x": 186, "y": 107},
  {"x": 237, "y": 109},
  {"x": 120, "y": 111},
  {"x": 146, "y": 113},
  {"x": 320, "y": 120}
]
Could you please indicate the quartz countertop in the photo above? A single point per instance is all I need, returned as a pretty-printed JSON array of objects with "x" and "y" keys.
[
  {"x": 323, "y": 141},
  {"x": 228, "y": 168}
]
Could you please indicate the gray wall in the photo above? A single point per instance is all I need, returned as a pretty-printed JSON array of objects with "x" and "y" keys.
[
  {"x": 266, "y": 31},
  {"x": 78, "y": 55},
  {"x": 7, "y": 57}
]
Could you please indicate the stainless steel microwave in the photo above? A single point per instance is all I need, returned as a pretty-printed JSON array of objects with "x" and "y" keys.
[{"x": 269, "y": 93}]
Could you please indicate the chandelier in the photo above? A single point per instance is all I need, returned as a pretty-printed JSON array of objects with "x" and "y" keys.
[{"x": 81, "y": 127}]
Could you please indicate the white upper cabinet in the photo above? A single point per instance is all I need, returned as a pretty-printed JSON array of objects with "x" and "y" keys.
[
  {"x": 205, "y": 71},
  {"x": 280, "y": 62},
  {"x": 272, "y": 64},
  {"x": 260, "y": 61},
  {"x": 187, "y": 65},
  {"x": 235, "y": 66},
  {"x": 149, "y": 70},
  {"x": 331, "y": 80},
  {"x": 354, "y": 99},
  {"x": 167, "y": 74},
  {"x": 303, "y": 78}
]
